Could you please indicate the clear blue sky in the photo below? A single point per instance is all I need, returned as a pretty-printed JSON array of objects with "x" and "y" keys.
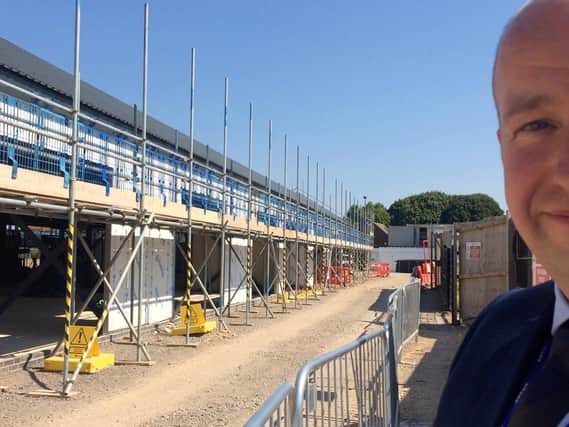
[{"x": 393, "y": 98}]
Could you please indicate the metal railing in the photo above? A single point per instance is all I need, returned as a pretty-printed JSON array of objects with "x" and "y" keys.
[
  {"x": 275, "y": 412},
  {"x": 354, "y": 385},
  {"x": 37, "y": 138},
  {"x": 349, "y": 386},
  {"x": 404, "y": 306}
]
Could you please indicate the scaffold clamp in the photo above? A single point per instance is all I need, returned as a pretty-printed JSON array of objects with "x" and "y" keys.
[
  {"x": 63, "y": 170},
  {"x": 105, "y": 179},
  {"x": 12, "y": 158}
]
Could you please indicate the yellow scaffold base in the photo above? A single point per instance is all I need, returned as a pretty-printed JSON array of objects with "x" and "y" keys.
[
  {"x": 289, "y": 296},
  {"x": 198, "y": 324},
  {"x": 95, "y": 360},
  {"x": 91, "y": 365},
  {"x": 310, "y": 292}
]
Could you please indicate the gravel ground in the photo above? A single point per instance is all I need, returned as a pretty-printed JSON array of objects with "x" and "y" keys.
[{"x": 220, "y": 383}]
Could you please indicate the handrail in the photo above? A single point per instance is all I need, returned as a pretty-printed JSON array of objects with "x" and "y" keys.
[
  {"x": 267, "y": 411},
  {"x": 302, "y": 377}
]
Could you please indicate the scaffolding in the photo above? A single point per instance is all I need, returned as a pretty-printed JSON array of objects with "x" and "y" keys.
[{"x": 100, "y": 170}]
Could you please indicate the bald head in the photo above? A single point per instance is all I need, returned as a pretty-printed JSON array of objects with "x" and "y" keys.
[
  {"x": 536, "y": 17},
  {"x": 537, "y": 22}
]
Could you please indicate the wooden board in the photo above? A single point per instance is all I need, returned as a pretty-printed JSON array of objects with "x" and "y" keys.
[{"x": 49, "y": 188}]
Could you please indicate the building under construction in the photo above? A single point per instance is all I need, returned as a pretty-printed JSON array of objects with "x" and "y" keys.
[{"x": 106, "y": 210}]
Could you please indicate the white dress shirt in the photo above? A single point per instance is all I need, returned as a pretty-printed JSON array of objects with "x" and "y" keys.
[
  {"x": 560, "y": 316},
  {"x": 560, "y": 311}
]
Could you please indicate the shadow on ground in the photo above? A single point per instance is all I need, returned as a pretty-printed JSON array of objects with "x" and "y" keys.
[
  {"x": 379, "y": 307},
  {"x": 425, "y": 363},
  {"x": 380, "y": 304},
  {"x": 432, "y": 301}
]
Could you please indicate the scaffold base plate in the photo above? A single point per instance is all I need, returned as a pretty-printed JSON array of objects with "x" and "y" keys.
[
  {"x": 202, "y": 328},
  {"x": 278, "y": 299},
  {"x": 175, "y": 344},
  {"x": 50, "y": 393},
  {"x": 135, "y": 362},
  {"x": 311, "y": 293},
  {"x": 91, "y": 365}
]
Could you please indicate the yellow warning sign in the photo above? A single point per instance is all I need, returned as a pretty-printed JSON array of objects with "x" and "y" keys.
[{"x": 80, "y": 336}]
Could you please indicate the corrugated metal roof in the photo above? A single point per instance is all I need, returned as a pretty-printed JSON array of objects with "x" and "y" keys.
[{"x": 44, "y": 74}]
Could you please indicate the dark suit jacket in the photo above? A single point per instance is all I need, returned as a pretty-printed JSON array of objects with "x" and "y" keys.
[{"x": 497, "y": 354}]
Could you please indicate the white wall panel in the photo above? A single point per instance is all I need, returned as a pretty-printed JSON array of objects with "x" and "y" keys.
[{"x": 158, "y": 279}]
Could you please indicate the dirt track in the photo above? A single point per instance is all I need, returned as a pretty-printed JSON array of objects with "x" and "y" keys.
[
  {"x": 220, "y": 383},
  {"x": 424, "y": 364}
]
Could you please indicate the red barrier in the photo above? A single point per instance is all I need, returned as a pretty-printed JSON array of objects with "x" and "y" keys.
[
  {"x": 337, "y": 275},
  {"x": 379, "y": 269},
  {"x": 424, "y": 271}
]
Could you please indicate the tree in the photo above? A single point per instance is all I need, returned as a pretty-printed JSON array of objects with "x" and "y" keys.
[
  {"x": 423, "y": 208},
  {"x": 380, "y": 214},
  {"x": 473, "y": 207},
  {"x": 378, "y": 210}
]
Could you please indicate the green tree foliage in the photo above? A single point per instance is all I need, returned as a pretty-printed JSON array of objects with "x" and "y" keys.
[
  {"x": 433, "y": 207},
  {"x": 423, "y": 208},
  {"x": 473, "y": 207},
  {"x": 380, "y": 213}
]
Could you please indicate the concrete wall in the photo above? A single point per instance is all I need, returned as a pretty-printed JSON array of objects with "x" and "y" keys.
[
  {"x": 410, "y": 235},
  {"x": 402, "y": 236},
  {"x": 392, "y": 255},
  {"x": 158, "y": 278},
  {"x": 380, "y": 236}
]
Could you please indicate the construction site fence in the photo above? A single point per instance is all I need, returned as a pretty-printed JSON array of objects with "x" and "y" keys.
[
  {"x": 404, "y": 306},
  {"x": 354, "y": 385}
]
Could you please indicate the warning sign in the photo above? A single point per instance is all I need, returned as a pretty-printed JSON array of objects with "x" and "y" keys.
[
  {"x": 473, "y": 250},
  {"x": 80, "y": 336},
  {"x": 540, "y": 274}
]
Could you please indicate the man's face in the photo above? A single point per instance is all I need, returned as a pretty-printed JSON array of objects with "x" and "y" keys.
[{"x": 532, "y": 98}]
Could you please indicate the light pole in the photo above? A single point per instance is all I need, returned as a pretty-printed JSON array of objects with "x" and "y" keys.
[
  {"x": 365, "y": 218},
  {"x": 367, "y": 235}
]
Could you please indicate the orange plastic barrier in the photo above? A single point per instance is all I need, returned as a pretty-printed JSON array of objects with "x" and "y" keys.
[
  {"x": 379, "y": 269},
  {"x": 424, "y": 271},
  {"x": 337, "y": 275}
]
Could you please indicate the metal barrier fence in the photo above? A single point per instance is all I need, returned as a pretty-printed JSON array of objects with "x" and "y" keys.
[
  {"x": 275, "y": 412},
  {"x": 348, "y": 386},
  {"x": 354, "y": 385},
  {"x": 404, "y": 306}
]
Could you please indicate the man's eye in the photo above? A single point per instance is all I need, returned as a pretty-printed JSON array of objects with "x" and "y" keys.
[{"x": 536, "y": 126}]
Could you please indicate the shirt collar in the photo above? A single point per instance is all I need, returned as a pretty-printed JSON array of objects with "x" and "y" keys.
[{"x": 560, "y": 311}]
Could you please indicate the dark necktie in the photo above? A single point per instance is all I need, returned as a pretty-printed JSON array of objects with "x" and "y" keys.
[{"x": 545, "y": 400}]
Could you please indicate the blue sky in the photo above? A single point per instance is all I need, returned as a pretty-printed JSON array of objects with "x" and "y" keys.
[{"x": 392, "y": 98}]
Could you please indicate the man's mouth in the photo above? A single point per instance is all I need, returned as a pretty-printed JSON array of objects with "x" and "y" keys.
[{"x": 558, "y": 216}]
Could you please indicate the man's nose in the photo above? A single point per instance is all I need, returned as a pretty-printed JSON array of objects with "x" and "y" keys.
[{"x": 561, "y": 160}]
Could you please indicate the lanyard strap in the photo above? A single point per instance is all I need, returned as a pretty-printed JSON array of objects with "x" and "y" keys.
[{"x": 530, "y": 377}]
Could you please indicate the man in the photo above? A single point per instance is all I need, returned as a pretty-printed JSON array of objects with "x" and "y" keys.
[{"x": 513, "y": 366}]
